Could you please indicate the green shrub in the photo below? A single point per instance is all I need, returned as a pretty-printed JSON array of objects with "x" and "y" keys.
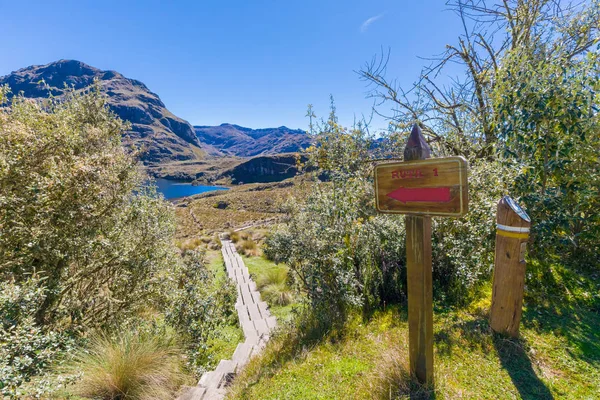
[
  {"x": 26, "y": 348},
  {"x": 196, "y": 306},
  {"x": 341, "y": 253},
  {"x": 548, "y": 103},
  {"x": 132, "y": 365},
  {"x": 463, "y": 248},
  {"x": 74, "y": 210}
]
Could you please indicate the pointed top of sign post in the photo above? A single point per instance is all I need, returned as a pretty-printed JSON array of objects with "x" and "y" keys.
[{"x": 416, "y": 146}]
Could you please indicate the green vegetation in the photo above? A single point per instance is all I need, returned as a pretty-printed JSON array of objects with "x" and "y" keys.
[
  {"x": 87, "y": 250},
  {"x": 96, "y": 280},
  {"x": 199, "y": 306},
  {"x": 528, "y": 97},
  {"x": 134, "y": 365},
  {"x": 525, "y": 115},
  {"x": 272, "y": 282},
  {"x": 556, "y": 357},
  {"x": 224, "y": 339}
]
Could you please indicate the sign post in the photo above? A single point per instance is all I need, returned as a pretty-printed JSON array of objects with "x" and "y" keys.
[
  {"x": 512, "y": 234},
  {"x": 421, "y": 187}
]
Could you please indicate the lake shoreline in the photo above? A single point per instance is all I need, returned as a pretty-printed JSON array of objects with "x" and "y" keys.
[{"x": 175, "y": 189}]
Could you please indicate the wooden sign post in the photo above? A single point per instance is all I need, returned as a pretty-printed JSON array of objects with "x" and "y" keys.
[
  {"x": 509, "y": 267},
  {"x": 421, "y": 187}
]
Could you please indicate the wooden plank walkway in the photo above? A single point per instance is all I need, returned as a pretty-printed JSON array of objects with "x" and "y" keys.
[{"x": 256, "y": 322}]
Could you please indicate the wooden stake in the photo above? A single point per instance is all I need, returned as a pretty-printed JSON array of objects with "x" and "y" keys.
[
  {"x": 509, "y": 270},
  {"x": 419, "y": 272}
]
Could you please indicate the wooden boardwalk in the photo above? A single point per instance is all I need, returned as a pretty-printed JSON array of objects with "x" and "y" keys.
[{"x": 256, "y": 322}]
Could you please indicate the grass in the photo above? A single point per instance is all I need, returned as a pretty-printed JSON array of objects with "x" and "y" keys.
[
  {"x": 557, "y": 355},
  {"x": 248, "y": 247},
  {"x": 223, "y": 345},
  {"x": 134, "y": 365},
  {"x": 252, "y": 204},
  {"x": 279, "y": 296}
]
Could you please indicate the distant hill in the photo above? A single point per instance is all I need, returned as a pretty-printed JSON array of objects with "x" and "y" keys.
[
  {"x": 238, "y": 141},
  {"x": 270, "y": 168},
  {"x": 164, "y": 136}
]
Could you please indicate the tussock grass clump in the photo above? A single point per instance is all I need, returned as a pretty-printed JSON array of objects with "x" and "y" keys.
[
  {"x": 249, "y": 244},
  {"x": 278, "y": 294},
  {"x": 189, "y": 244},
  {"x": 234, "y": 236},
  {"x": 272, "y": 276},
  {"x": 217, "y": 240},
  {"x": 206, "y": 239},
  {"x": 248, "y": 247},
  {"x": 134, "y": 365},
  {"x": 274, "y": 288}
]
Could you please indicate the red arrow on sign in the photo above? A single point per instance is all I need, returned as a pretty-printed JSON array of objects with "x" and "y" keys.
[{"x": 421, "y": 195}]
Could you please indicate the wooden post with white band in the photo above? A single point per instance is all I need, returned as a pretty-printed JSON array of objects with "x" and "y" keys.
[{"x": 512, "y": 234}]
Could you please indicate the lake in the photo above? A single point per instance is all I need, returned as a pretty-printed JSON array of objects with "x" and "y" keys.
[{"x": 174, "y": 189}]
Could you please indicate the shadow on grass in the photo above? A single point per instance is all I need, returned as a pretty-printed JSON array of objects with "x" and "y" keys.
[
  {"x": 476, "y": 334},
  {"x": 561, "y": 301},
  {"x": 473, "y": 333},
  {"x": 516, "y": 362}
]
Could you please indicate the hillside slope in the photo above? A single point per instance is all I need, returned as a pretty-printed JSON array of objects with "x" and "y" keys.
[
  {"x": 238, "y": 141},
  {"x": 163, "y": 136}
]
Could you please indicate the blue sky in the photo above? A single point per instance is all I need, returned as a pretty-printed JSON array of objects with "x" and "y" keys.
[{"x": 253, "y": 63}]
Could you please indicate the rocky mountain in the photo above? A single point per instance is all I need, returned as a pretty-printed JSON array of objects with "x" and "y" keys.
[
  {"x": 162, "y": 135},
  {"x": 238, "y": 141},
  {"x": 270, "y": 168}
]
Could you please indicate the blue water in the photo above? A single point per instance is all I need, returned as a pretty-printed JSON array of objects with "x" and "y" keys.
[{"x": 174, "y": 189}]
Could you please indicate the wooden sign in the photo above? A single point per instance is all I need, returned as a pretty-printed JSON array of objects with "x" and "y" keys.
[
  {"x": 421, "y": 187},
  {"x": 435, "y": 187}
]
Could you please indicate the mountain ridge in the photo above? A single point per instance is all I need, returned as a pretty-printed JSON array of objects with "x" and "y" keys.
[
  {"x": 165, "y": 136},
  {"x": 236, "y": 140}
]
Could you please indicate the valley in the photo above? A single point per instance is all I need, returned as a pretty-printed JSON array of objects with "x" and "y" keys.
[
  {"x": 168, "y": 146},
  {"x": 280, "y": 264}
]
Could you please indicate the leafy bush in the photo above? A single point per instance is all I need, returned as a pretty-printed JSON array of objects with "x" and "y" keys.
[
  {"x": 342, "y": 253},
  {"x": 133, "y": 365},
  {"x": 548, "y": 102},
  {"x": 83, "y": 243},
  {"x": 197, "y": 305},
  {"x": 26, "y": 349},
  {"x": 74, "y": 211},
  {"x": 528, "y": 97},
  {"x": 463, "y": 249}
]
